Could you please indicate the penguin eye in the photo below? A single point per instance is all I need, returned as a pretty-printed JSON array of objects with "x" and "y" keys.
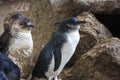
[{"x": 22, "y": 24}]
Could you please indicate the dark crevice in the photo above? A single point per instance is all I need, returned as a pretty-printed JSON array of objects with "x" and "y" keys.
[{"x": 112, "y": 22}]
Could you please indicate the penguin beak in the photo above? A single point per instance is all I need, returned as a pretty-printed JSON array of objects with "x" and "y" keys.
[{"x": 29, "y": 24}]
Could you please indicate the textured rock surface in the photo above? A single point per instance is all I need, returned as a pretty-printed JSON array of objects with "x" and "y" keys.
[
  {"x": 99, "y": 63},
  {"x": 97, "y": 6},
  {"x": 91, "y": 33}
]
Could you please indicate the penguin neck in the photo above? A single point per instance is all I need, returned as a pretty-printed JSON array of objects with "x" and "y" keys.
[
  {"x": 21, "y": 35},
  {"x": 68, "y": 29}
]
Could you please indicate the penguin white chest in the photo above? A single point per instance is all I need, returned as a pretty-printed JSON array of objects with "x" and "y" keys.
[
  {"x": 69, "y": 47},
  {"x": 20, "y": 52}
]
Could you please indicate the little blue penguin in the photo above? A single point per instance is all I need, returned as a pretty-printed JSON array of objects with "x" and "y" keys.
[
  {"x": 16, "y": 41},
  {"x": 58, "y": 51},
  {"x": 8, "y": 69}
]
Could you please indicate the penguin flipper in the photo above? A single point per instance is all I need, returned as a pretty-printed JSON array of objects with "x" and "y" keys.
[
  {"x": 42, "y": 63},
  {"x": 59, "y": 40},
  {"x": 4, "y": 41},
  {"x": 57, "y": 55}
]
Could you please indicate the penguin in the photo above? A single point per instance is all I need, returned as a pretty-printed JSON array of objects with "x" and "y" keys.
[
  {"x": 8, "y": 69},
  {"x": 16, "y": 42},
  {"x": 58, "y": 51}
]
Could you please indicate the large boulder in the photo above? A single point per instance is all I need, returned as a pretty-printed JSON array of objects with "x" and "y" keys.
[
  {"x": 97, "y": 6},
  {"x": 102, "y": 62}
]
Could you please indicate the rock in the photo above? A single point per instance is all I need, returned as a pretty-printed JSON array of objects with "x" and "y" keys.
[
  {"x": 94, "y": 27},
  {"x": 62, "y": 9},
  {"x": 91, "y": 33},
  {"x": 0, "y": 2},
  {"x": 97, "y": 6},
  {"x": 102, "y": 62}
]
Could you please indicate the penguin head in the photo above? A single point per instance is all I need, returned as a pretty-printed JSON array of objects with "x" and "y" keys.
[
  {"x": 71, "y": 24},
  {"x": 18, "y": 23}
]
